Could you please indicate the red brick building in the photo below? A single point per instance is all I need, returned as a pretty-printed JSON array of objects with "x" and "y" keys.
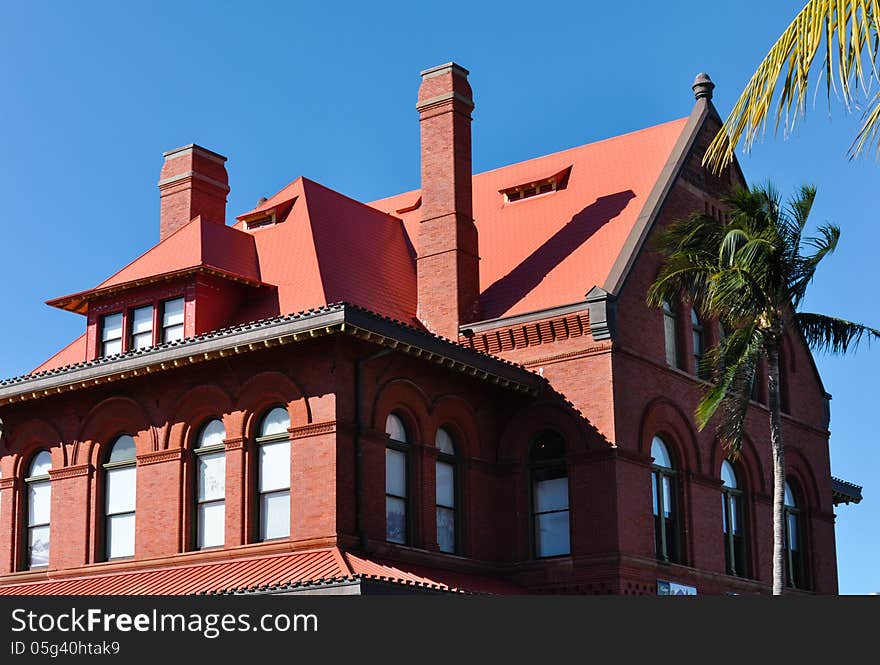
[{"x": 455, "y": 388}]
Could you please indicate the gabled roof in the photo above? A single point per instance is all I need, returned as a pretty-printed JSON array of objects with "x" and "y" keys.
[
  {"x": 550, "y": 249},
  {"x": 261, "y": 574},
  {"x": 199, "y": 245}
]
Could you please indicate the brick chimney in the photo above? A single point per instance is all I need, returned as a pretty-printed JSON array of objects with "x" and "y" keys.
[
  {"x": 448, "y": 261},
  {"x": 193, "y": 182}
]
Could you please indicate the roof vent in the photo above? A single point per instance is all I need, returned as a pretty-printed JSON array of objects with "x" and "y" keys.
[{"x": 546, "y": 185}]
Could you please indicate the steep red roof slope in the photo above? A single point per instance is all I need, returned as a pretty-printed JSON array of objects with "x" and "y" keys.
[
  {"x": 551, "y": 249},
  {"x": 324, "y": 247}
]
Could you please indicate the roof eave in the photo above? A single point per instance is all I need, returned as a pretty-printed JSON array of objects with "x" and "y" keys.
[{"x": 339, "y": 318}]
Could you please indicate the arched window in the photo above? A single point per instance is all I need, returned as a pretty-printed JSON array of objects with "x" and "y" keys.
[
  {"x": 670, "y": 334},
  {"x": 447, "y": 486},
  {"x": 550, "y": 524},
  {"x": 120, "y": 490},
  {"x": 273, "y": 474},
  {"x": 210, "y": 495},
  {"x": 794, "y": 542},
  {"x": 39, "y": 493},
  {"x": 699, "y": 343},
  {"x": 665, "y": 495},
  {"x": 396, "y": 481},
  {"x": 732, "y": 521}
]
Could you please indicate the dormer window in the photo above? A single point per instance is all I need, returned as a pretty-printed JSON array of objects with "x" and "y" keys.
[
  {"x": 531, "y": 189},
  {"x": 141, "y": 328},
  {"x": 546, "y": 185},
  {"x": 172, "y": 320},
  {"x": 111, "y": 334},
  {"x": 261, "y": 222}
]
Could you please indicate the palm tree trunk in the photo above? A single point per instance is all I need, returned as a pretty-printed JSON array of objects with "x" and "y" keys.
[{"x": 778, "y": 451}]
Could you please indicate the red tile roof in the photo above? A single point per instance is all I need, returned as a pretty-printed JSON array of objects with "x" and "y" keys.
[
  {"x": 535, "y": 253},
  {"x": 278, "y": 571},
  {"x": 551, "y": 249}
]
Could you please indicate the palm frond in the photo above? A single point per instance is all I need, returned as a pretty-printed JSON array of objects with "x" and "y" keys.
[
  {"x": 804, "y": 267},
  {"x": 848, "y": 29},
  {"x": 833, "y": 335}
]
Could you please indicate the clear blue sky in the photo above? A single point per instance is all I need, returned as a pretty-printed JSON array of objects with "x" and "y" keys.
[{"x": 92, "y": 93}]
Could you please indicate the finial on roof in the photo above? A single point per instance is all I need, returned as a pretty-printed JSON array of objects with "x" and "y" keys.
[
  {"x": 261, "y": 201},
  {"x": 703, "y": 86}
]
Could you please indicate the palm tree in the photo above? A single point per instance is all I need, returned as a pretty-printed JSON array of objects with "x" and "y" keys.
[
  {"x": 847, "y": 31},
  {"x": 751, "y": 272}
]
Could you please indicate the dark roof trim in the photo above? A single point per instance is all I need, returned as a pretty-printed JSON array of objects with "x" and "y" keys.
[
  {"x": 332, "y": 319},
  {"x": 505, "y": 321},
  {"x": 654, "y": 203},
  {"x": 843, "y": 491}
]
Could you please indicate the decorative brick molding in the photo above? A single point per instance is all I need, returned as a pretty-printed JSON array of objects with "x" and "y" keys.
[
  {"x": 159, "y": 456},
  {"x": 530, "y": 333},
  {"x": 70, "y": 472},
  {"x": 7, "y": 483},
  {"x": 592, "y": 350},
  {"x": 312, "y": 429},
  {"x": 237, "y": 443}
]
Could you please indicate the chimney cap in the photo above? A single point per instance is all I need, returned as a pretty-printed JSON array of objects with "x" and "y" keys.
[
  {"x": 192, "y": 147},
  {"x": 703, "y": 86},
  {"x": 443, "y": 69}
]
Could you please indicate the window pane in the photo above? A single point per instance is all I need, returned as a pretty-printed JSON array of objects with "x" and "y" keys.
[
  {"x": 123, "y": 450},
  {"x": 172, "y": 312},
  {"x": 671, "y": 348},
  {"x": 551, "y": 534},
  {"x": 394, "y": 428},
  {"x": 274, "y": 466},
  {"x": 277, "y": 421},
  {"x": 446, "y": 529},
  {"x": 212, "y": 524},
  {"x": 120, "y": 535},
  {"x": 724, "y": 507},
  {"x": 111, "y": 348},
  {"x": 275, "y": 515},
  {"x": 654, "y": 494},
  {"x": 792, "y": 532},
  {"x": 212, "y": 434},
  {"x": 395, "y": 472},
  {"x": 551, "y": 495},
  {"x": 667, "y": 497},
  {"x": 660, "y": 453},
  {"x": 111, "y": 327},
  {"x": 172, "y": 333},
  {"x": 444, "y": 442},
  {"x": 734, "y": 515},
  {"x": 38, "y": 546},
  {"x": 728, "y": 477},
  {"x": 142, "y": 320},
  {"x": 41, "y": 464},
  {"x": 39, "y": 502},
  {"x": 445, "y": 485},
  {"x": 395, "y": 520},
  {"x": 121, "y": 485},
  {"x": 142, "y": 340},
  {"x": 212, "y": 476},
  {"x": 789, "y": 497}
]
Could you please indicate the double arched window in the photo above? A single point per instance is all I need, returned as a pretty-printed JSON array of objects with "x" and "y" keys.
[
  {"x": 39, "y": 496},
  {"x": 446, "y": 488},
  {"x": 732, "y": 520},
  {"x": 549, "y": 480},
  {"x": 210, "y": 495},
  {"x": 794, "y": 541},
  {"x": 120, "y": 487},
  {"x": 396, "y": 481},
  {"x": 273, "y": 474},
  {"x": 665, "y": 499}
]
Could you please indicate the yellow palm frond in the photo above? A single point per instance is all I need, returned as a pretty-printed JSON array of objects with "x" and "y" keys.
[{"x": 849, "y": 30}]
